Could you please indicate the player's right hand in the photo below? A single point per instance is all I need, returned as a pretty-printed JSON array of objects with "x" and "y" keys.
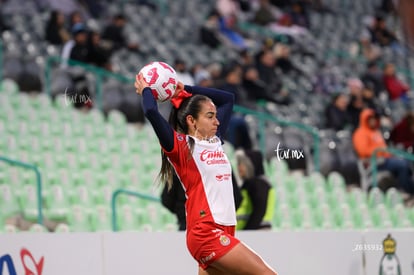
[{"x": 140, "y": 84}]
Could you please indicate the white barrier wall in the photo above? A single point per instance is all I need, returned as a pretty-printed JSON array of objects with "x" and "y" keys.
[{"x": 153, "y": 253}]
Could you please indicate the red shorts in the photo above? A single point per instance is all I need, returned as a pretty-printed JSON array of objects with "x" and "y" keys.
[{"x": 207, "y": 242}]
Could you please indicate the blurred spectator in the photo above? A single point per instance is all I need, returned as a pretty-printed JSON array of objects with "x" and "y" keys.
[
  {"x": 203, "y": 78},
  {"x": 99, "y": 53},
  {"x": 388, "y": 6},
  {"x": 266, "y": 13},
  {"x": 3, "y": 25},
  {"x": 209, "y": 31},
  {"x": 266, "y": 67},
  {"x": 256, "y": 210},
  {"x": 371, "y": 101},
  {"x": 114, "y": 33},
  {"x": 285, "y": 26},
  {"x": 356, "y": 101},
  {"x": 395, "y": 87},
  {"x": 56, "y": 32},
  {"x": 228, "y": 8},
  {"x": 366, "y": 48},
  {"x": 367, "y": 138},
  {"x": 238, "y": 131},
  {"x": 80, "y": 49},
  {"x": 183, "y": 74},
  {"x": 77, "y": 49},
  {"x": 282, "y": 55},
  {"x": 337, "y": 116},
  {"x": 79, "y": 38},
  {"x": 233, "y": 83},
  {"x": 299, "y": 15},
  {"x": 372, "y": 78},
  {"x": 383, "y": 36},
  {"x": 76, "y": 18},
  {"x": 234, "y": 38},
  {"x": 403, "y": 132},
  {"x": 256, "y": 88}
]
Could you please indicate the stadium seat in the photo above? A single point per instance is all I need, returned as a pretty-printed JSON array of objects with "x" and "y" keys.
[
  {"x": 38, "y": 228},
  {"x": 62, "y": 228}
]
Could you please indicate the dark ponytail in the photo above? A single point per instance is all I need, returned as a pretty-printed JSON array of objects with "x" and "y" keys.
[{"x": 178, "y": 121}]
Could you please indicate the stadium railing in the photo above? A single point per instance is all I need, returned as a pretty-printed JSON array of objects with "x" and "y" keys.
[
  {"x": 262, "y": 117},
  {"x": 122, "y": 191},
  {"x": 393, "y": 151},
  {"x": 38, "y": 185}
]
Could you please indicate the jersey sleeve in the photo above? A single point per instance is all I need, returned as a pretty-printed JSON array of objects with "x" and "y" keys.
[
  {"x": 162, "y": 128},
  {"x": 223, "y": 100}
]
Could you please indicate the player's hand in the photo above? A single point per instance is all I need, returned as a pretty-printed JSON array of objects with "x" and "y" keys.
[
  {"x": 140, "y": 84},
  {"x": 179, "y": 88}
]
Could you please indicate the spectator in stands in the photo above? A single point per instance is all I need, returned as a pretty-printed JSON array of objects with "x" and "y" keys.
[
  {"x": 367, "y": 138},
  {"x": 282, "y": 55},
  {"x": 256, "y": 88},
  {"x": 76, "y": 18},
  {"x": 266, "y": 13},
  {"x": 366, "y": 48},
  {"x": 395, "y": 87},
  {"x": 56, "y": 32},
  {"x": 183, "y": 74},
  {"x": 372, "y": 78},
  {"x": 356, "y": 100},
  {"x": 402, "y": 134},
  {"x": 209, "y": 31},
  {"x": 299, "y": 15},
  {"x": 203, "y": 78},
  {"x": 79, "y": 50},
  {"x": 336, "y": 114},
  {"x": 99, "y": 53},
  {"x": 383, "y": 36},
  {"x": 232, "y": 75},
  {"x": 256, "y": 210},
  {"x": 266, "y": 67},
  {"x": 233, "y": 36},
  {"x": 114, "y": 33},
  {"x": 238, "y": 130}
]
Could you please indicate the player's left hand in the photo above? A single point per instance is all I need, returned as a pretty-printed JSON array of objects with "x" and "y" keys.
[{"x": 179, "y": 88}]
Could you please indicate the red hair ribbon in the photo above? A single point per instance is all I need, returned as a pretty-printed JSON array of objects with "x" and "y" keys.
[{"x": 178, "y": 99}]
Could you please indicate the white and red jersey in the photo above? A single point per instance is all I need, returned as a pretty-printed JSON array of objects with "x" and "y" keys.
[{"x": 205, "y": 175}]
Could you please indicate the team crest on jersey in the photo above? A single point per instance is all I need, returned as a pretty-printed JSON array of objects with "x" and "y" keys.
[
  {"x": 224, "y": 240},
  {"x": 180, "y": 138}
]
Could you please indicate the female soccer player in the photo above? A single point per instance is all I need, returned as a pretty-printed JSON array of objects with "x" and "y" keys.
[{"x": 191, "y": 145}]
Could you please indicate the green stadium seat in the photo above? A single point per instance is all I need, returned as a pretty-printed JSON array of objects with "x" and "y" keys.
[
  {"x": 375, "y": 197},
  {"x": 62, "y": 228},
  {"x": 101, "y": 218},
  {"x": 128, "y": 219},
  {"x": 38, "y": 228},
  {"x": 9, "y": 204},
  {"x": 57, "y": 203},
  {"x": 393, "y": 197},
  {"x": 9, "y": 229},
  {"x": 79, "y": 219},
  {"x": 28, "y": 201}
]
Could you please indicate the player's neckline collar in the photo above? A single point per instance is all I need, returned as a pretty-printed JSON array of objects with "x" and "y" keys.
[{"x": 213, "y": 139}]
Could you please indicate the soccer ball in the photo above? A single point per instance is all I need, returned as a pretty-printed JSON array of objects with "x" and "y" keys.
[{"x": 161, "y": 78}]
